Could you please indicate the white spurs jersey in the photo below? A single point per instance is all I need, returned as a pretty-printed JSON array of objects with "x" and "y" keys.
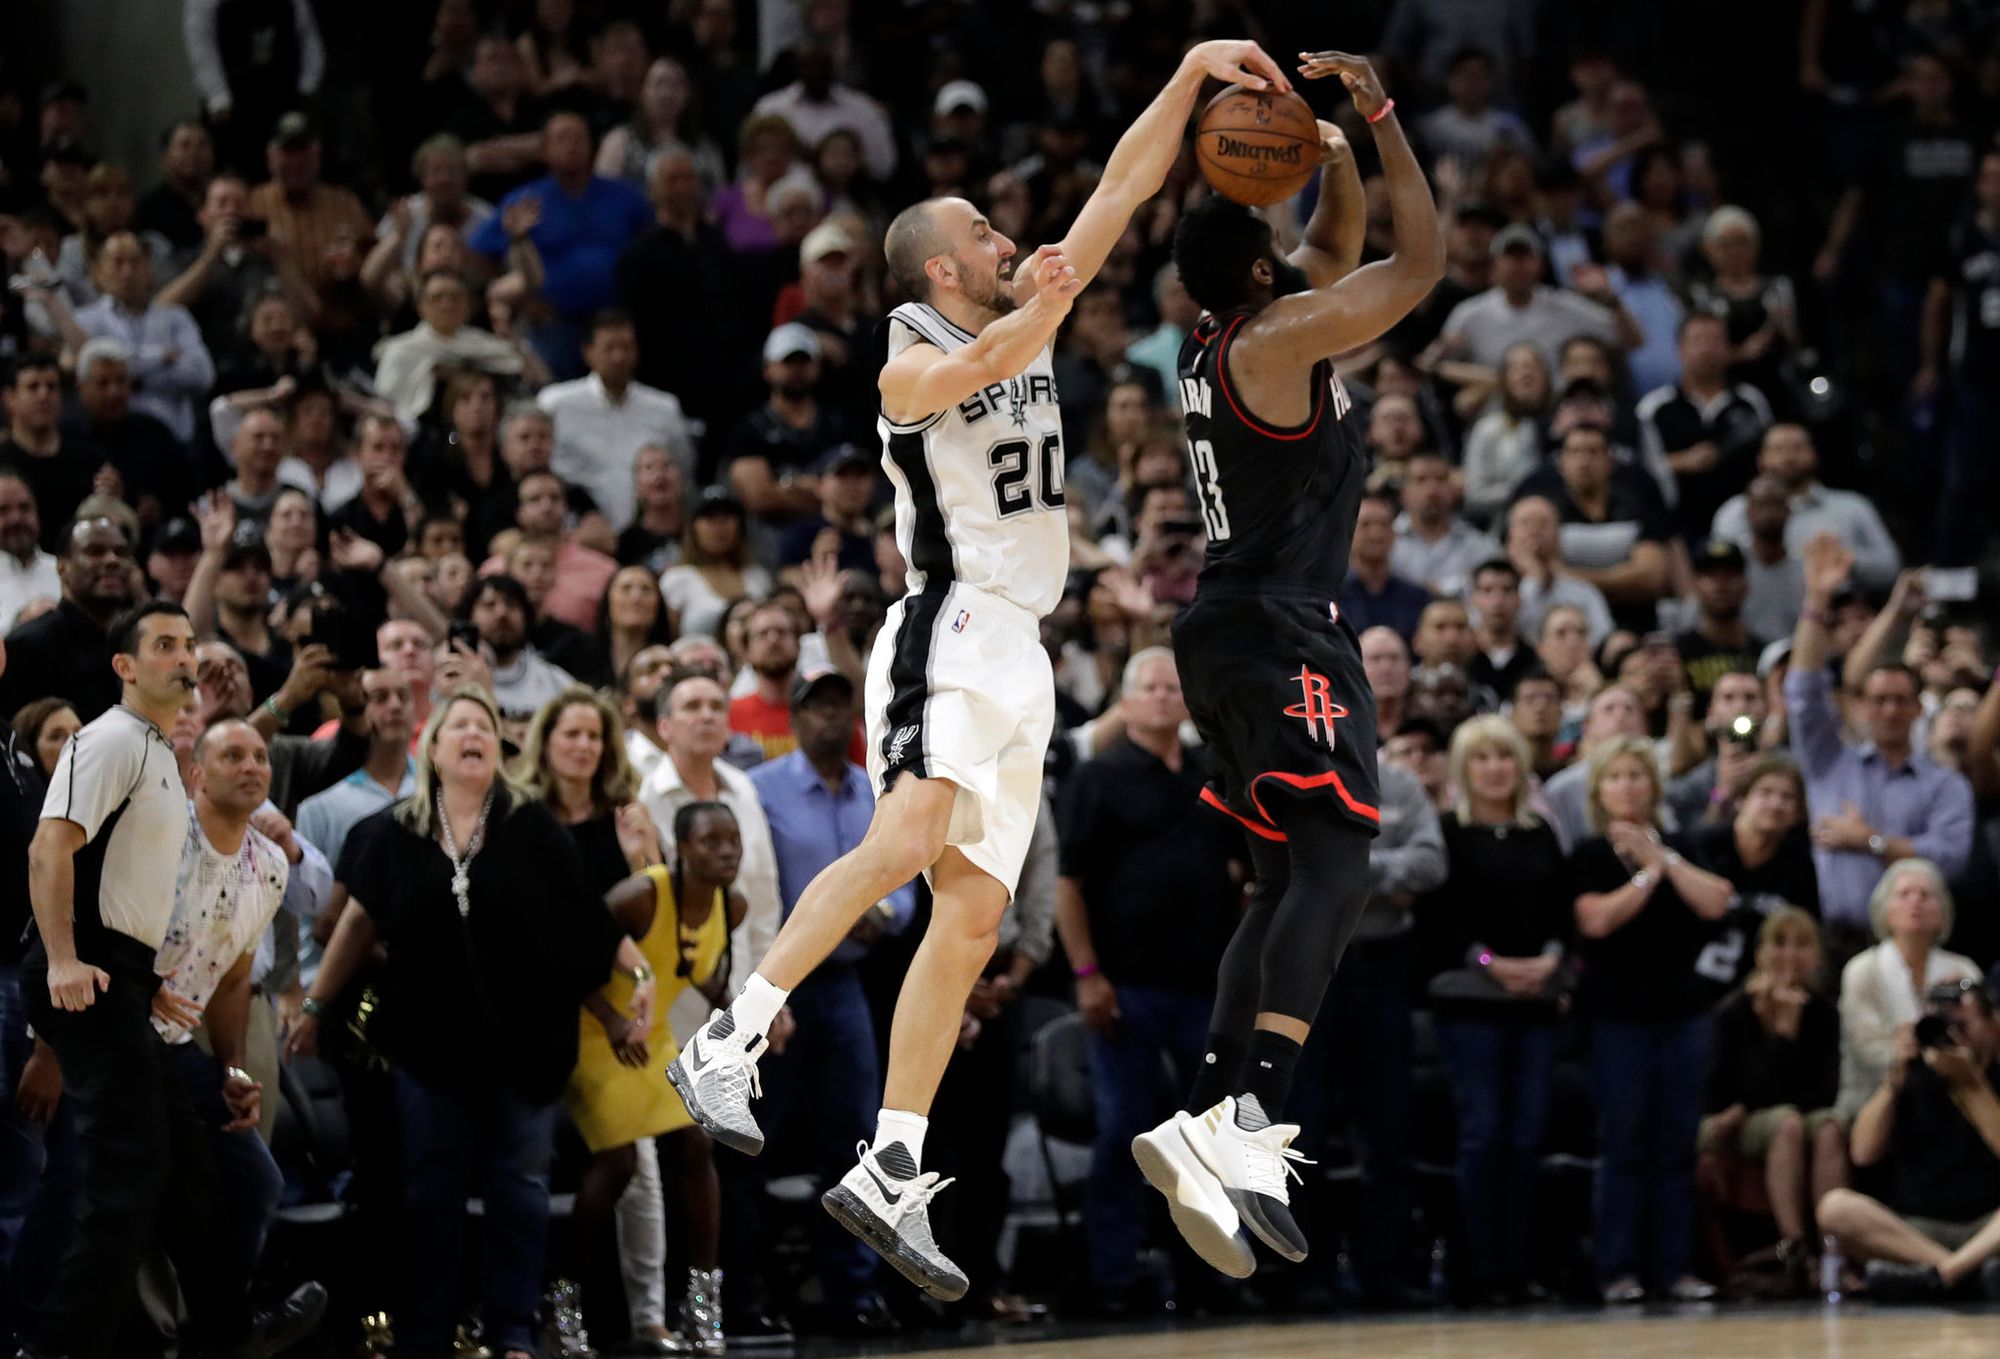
[{"x": 979, "y": 487}]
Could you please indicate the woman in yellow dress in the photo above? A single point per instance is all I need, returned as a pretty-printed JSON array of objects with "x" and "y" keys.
[{"x": 619, "y": 1094}]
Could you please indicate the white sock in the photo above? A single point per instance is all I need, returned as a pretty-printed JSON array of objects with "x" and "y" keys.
[
  {"x": 894, "y": 1125},
  {"x": 757, "y": 1005}
]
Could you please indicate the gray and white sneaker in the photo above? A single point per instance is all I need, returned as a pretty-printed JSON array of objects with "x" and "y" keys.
[
  {"x": 885, "y": 1202},
  {"x": 716, "y": 1077}
]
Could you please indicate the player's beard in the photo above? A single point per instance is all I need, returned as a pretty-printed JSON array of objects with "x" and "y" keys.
[
  {"x": 996, "y": 295},
  {"x": 1287, "y": 278}
]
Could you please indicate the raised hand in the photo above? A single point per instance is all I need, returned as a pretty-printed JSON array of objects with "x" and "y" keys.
[
  {"x": 1238, "y": 62},
  {"x": 522, "y": 216},
  {"x": 216, "y": 514},
  {"x": 1828, "y": 564},
  {"x": 1355, "y": 73},
  {"x": 1055, "y": 278}
]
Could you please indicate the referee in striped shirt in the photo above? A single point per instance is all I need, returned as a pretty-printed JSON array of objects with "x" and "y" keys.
[{"x": 101, "y": 874}]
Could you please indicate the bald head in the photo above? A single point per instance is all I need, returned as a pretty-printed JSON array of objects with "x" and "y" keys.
[{"x": 915, "y": 238}]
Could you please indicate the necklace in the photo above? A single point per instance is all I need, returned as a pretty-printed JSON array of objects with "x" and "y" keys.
[{"x": 461, "y": 866}]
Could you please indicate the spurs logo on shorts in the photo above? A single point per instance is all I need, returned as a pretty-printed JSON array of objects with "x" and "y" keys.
[
  {"x": 901, "y": 742},
  {"x": 1316, "y": 705}
]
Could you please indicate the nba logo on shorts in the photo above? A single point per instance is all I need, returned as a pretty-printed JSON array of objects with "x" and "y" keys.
[{"x": 964, "y": 617}]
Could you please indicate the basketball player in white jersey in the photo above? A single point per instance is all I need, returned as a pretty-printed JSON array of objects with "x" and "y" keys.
[{"x": 960, "y": 697}]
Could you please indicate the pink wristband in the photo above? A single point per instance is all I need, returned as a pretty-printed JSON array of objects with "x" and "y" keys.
[
  {"x": 1087, "y": 970},
  {"x": 1379, "y": 114}
]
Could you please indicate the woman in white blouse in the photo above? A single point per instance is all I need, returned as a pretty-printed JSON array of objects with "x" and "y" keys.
[
  {"x": 1505, "y": 446},
  {"x": 1883, "y": 988},
  {"x": 715, "y": 566}
]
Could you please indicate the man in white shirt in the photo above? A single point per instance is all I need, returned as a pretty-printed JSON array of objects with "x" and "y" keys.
[
  {"x": 1534, "y": 545},
  {"x": 522, "y": 680},
  {"x": 694, "y": 725},
  {"x": 27, "y": 574},
  {"x": 1518, "y": 309},
  {"x": 406, "y": 364},
  {"x": 815, "y": 106},
  {"x": 602, "y": 421},
  {"x": 116, "y": 812},
  {"x": 171, "y": 367},
  {"x": 1788, "y": 457},
  {"x": 1434, "y": 547}
]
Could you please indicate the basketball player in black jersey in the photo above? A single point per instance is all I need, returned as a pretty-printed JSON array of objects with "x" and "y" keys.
[{"x": 1271, "y": 671}]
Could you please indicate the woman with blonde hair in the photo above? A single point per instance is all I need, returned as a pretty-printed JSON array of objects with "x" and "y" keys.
[
  {"x": 1883, "y": 988},
  {"x": 493, "y": 942},
  {"x": 1776, "y": 1072},
  {"x": 1644, "y": 912},
  {"x": 1500, "y": 927},
  {"x": 1505, "y": 445}
]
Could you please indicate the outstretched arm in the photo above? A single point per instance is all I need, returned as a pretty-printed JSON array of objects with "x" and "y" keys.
[
  {"x": 1309, "y": 326},
  {"x": 1139, "y": 163},
  {"x": 923, "y": 379}
]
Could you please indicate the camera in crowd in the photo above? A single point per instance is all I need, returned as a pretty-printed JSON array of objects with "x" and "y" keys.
[{"x": 1942, "y": 1024}]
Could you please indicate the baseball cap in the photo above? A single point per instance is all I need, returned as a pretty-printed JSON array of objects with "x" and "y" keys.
[
  {"x": 1480, "y": 211},
  {"x": 179, "y": 534},
  {"x": 960, "y": 94},
  {"x": 246, "y": 546},
  {"x": 809, "y": 681},
  {"x": 717, "y": 500},
  {"x": 293, "y": 131},
  {"x": 1719, "y": 554},
  {"x": 1517, "y": 237},
  {"x": 1774, "y": 655},
  {"x": 842, "y": 458},
  {"x": 789, "y": 339},
  {"x": 828, "y": 238}
]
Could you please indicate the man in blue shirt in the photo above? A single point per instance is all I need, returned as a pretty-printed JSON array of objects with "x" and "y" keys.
[
  {"x": 580, "y": 224},
  {"x": 819, "y": 804}
]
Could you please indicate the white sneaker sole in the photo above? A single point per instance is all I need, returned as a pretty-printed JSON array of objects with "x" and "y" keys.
[{"x": 1195, "y": 1201}]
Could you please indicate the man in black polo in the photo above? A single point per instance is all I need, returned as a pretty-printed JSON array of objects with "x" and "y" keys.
[
  {"x": 65, "y": 651},
  {"x": 101, "y": 884},
  {"x": 1145, "y": 904},
  {"x": 1706, "y": 428}
]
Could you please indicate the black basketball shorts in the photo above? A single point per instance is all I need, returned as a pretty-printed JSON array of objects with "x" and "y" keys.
[{"x": 1273, "y": 679}]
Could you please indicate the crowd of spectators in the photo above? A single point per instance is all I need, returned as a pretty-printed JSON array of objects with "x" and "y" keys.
[{"x": 497, "y": 380}]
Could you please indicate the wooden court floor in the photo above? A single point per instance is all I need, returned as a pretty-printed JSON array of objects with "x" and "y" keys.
[{"x": 1844, "y": 1333}]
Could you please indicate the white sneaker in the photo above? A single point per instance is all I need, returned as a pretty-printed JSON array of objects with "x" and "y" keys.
[
  {"x": 1253, "y": 1168},
  {"x": 1196, "y": 1201},
  {"x": 716, "y": 1077},
  {"x": 886, "y": 1203}
]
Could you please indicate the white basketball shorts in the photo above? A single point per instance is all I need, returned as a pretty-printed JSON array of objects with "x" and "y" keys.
[{"x": 959, "y": 688}]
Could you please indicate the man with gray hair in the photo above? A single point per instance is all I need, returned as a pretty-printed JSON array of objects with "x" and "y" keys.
[
  {"x": 1145, "y": 902},
  {"x": 151, "y": 466}
]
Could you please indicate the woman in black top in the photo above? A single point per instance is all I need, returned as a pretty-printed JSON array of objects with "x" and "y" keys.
[
  {"x": 1644, "y": 912},
  {"x": 573, "y": 761},
  {"x": 1500, "y": 924},
  {"x": 1775, "y": 1078},
  {"x": 494, "y": 938},
  {"x": 1766, "y": 855},
  {"x": 456, "y": 466}
]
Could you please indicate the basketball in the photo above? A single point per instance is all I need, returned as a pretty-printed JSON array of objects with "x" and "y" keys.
[{"x": 1257, "y": 148}]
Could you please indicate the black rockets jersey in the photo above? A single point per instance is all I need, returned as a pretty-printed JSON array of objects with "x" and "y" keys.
[{"x": 1279, "y": 502}]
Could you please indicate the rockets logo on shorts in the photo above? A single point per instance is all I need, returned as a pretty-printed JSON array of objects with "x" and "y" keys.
[{"x": 1316, "y": 705}]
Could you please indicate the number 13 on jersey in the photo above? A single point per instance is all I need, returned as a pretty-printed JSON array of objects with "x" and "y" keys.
[{"x": 1208, "y": 483}]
